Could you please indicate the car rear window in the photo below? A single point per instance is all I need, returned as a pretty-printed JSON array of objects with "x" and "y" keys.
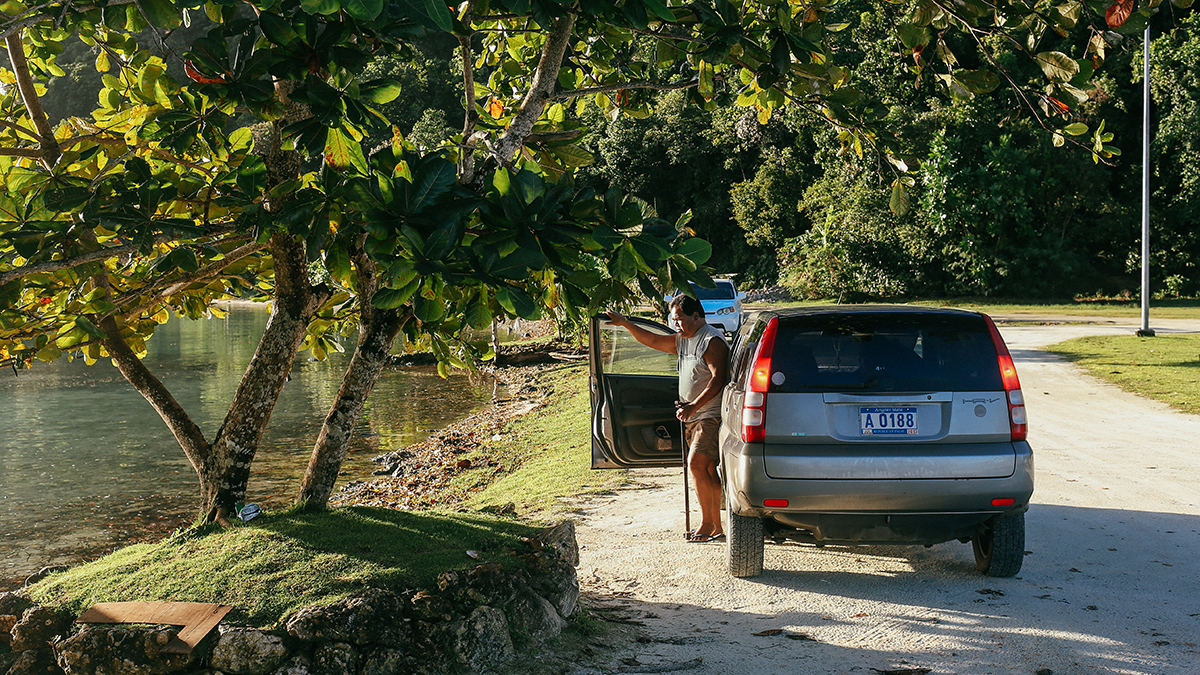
[
  {"x": 721, "y": 292},
  {"x": 909, "y": 352}
]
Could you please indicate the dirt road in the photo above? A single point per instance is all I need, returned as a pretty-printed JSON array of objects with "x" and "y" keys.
[{"x": 1111, "y": 582}]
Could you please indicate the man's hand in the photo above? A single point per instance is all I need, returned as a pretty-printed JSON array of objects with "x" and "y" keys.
[
  {"x": 683, "y": 411},
  {"x": 617, "y": 319}
]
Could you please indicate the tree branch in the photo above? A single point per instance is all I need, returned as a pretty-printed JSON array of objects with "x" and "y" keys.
[
  {"x": 20, "y": 129},
  {"x": 540, "y": 91},
  {"x": 22, "y": 152},
  {"x": 173, "y": 286},
  {"x": 33, "y": 105},
  {"x": 85, "y": 258},
  {"x": 636, "y": 84},
  {"x": 466, "y": 161}
]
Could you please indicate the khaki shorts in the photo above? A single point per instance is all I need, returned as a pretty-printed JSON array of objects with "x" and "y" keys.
[{"x": 701, "y": 436}]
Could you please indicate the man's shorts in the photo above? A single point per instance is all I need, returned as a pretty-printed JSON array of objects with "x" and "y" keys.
[{"x": 701, "y": 436}]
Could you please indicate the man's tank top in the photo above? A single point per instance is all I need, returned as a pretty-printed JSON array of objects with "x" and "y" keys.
[{"x": 694, "y": 373}]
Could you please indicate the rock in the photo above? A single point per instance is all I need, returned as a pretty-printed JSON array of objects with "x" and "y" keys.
[
  {"x": 35, "y": 662},
  {"x": 388, "y": 661},
  {"x": 561, "y": 538},
  {"x": 374, "y": 615},
  {"x": 481, "y": 641},
  {"x": 37, "y": 628},
  {"x": 486, "y": 584},
  {"x": 555, "y": 580},
  {"x": 246, "y": 651},
  {"x": 334, "y": 658},
  {"x": 7, "y": 658},
  {"x": 533, "y": 617},
  {"x": 428, "y": 607},
  {"x": 299, "y": 665},
  {"x": 770, "y": 294},
  {"x": 14, "y": 603},
  {"x": 105, "y": 650}
]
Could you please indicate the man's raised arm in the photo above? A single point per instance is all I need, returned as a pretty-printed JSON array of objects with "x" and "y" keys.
[{"x": 663, "y": 343}]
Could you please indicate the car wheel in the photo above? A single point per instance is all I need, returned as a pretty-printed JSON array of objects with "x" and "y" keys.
[
  {"x": 1000, "y": 550},
  {"x": 745, "y": 547}
]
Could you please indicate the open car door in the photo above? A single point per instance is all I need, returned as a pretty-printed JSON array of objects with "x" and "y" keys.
[{"x": 633, "y": 392}]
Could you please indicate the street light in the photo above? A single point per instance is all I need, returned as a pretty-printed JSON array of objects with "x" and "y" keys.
[{"x": 1145, "y": 330}]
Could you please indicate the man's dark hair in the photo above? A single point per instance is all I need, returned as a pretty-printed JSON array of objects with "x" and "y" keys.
[{"x": 688, "y": 305}]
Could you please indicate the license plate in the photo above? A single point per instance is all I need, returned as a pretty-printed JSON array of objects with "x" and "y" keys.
[{"x": 895, "y": 421}]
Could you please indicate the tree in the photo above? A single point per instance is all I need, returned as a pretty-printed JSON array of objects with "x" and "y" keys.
[{"x": 166, "y": 198}]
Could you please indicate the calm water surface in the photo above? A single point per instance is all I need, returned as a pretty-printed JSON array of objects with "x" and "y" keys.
[{"x": 86, "y": 465}]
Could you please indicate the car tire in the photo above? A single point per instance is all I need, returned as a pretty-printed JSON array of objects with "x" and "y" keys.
[
  {"x": 1000, "y": 550},
  {"x": 745, "y": 546}
]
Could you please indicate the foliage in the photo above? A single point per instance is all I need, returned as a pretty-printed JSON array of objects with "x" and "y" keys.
[{"x": 1175, "y": 157}]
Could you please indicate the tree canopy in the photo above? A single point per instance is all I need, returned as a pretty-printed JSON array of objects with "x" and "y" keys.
[{"x": 233, "y": 150}]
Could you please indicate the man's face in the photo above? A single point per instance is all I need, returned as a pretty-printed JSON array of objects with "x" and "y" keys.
[{"x": 685, "y": 323}]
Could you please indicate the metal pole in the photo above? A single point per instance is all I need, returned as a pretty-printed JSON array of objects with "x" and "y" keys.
[
  {"x": 1145, "y": 330},
  {"x": 687, "y": 506}
]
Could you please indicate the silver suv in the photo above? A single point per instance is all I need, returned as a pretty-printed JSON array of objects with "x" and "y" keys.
[{"x": 842, "y": 425}]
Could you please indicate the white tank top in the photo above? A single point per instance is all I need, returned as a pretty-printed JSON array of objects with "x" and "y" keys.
[{"x": 694, "y": 373}]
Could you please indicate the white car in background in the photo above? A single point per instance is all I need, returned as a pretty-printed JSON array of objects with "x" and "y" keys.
[{"x": 722, "y": 305}]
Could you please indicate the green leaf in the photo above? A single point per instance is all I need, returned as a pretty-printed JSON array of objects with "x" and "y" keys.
[
  {"x": 343, "y": 152},
  {"x": 277, "y": 30},
  {"x": 914, "y": 36},
  {"x": 1076, "y": 129},
  {"x": 428, "y": 310},
  {"x": 363, "y": 10},
  {"x": 337, "y": 261},
  {"x": 695, "y": 249},
  {"x": 324, "y": 7},
  {"x": 899, "y": 203},
  {"x": 391, "y": 298},
  {"x": 90, "y": 328},
  {"x": 977, "y": 81},
  {"x": 517, "y": 302},
  {"x": 379, "y": 91},
  {"x": 657, "y": 8},
  {"x": 624, "y": 266},
  {"x": 707, "y": 87},
  {"x": 428, "y": 13},
  {"x": 477, "y": 313},
  {"x": 1057, "y": 66},
  {"x": 161, "y": 13}
]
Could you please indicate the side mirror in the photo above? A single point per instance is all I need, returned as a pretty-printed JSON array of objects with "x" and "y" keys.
[{"x": 741, "y": 295}]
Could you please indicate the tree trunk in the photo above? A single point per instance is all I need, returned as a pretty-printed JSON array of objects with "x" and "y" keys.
[
  {"x": 225, "y": 475},
  {"x": 541, "y": 90},
  {"x": 374, "y": 343},
  {"x": 378, "y": 329}
]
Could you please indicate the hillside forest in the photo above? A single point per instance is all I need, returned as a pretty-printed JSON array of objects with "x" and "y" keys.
[{"x": 998, "y": 208}]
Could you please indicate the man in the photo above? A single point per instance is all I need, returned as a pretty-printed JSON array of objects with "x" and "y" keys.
[{"x": 703, "y": 354}]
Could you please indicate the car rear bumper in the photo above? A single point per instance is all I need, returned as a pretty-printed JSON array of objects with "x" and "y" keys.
[{"x": 874, "y": 511}]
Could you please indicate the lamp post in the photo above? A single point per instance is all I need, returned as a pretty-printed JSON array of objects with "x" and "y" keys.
[{"x": 1145, "y": 330}]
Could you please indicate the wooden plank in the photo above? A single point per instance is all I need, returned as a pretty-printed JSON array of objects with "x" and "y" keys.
[{"x": 197, "y": 618}]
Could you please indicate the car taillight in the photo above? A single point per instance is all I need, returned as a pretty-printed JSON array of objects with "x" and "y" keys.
[
  {"x": 1017, "y": 420},
  {"x": 754, "y": 405}
]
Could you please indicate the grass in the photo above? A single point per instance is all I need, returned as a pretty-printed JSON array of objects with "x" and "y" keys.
[
  {"x": 1182, "y": 308},
  {"x": 548, "y": 453},
  {"x": 1165, "y": 368},
  {"x": 274, "y": 565}
]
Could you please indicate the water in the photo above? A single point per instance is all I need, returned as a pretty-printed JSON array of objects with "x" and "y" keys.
[{"x": 87, "y": 466}]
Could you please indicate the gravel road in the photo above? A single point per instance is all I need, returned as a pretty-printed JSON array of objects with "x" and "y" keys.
[{"x": 1111, "y": 582}]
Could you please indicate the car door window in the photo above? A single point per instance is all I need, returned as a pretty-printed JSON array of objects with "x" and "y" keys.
[{"x": 621, "y": 354}]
